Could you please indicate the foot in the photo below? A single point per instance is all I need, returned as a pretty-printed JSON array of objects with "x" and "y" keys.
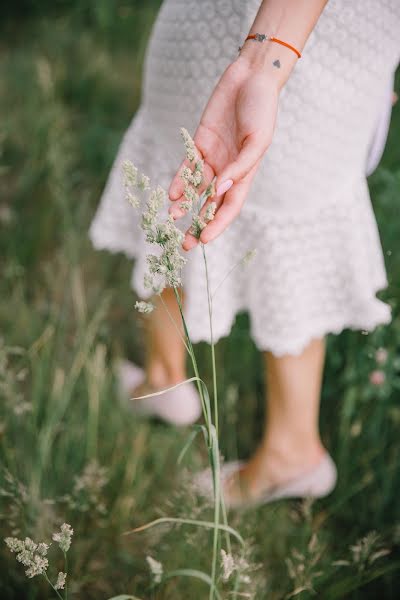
[
  {"x": 264, "y": 479},
  {"x": 178, "y": 406},
  {"x": 268, "y": 469}
]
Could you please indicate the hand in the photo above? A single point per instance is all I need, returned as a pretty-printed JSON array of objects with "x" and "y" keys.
[{"x": 235, "y": 130}]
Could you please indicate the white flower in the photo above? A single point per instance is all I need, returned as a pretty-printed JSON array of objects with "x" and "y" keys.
[
  {"x": 156, "y": 568},
  {"x": 144, "y": 307},
  {"x": 30, "y": 554},
  {"x": 194, "y": 177},
  {"x": 191, "y": 152},
  {"x": 60, "y": 583},
  {"x": 210, "y": 211},
  {"x": 38, "y": 566},
  {"x": 63, "y": 537},
  {"x": 157, "y": 199},
  {"x": 186, "y": 174},
  {"x": 130, "y": 173},
  {"x": 191, "y": 195},
  {"x": 197, "y": 226},
  {"x": 132, "y": 199},
  {"x": 186, "y": 205},
  {"x": 168, "y": 264},
  {"x": 197, "y": 176},
  {"x": 228, "y": 565},
  {"x": 144, "y": 183},
  {"x": 210, "y": 190}
]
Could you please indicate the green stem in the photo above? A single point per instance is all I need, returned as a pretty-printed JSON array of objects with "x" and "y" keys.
[
  {"x": 219, "y": 497},
  {"x": 217, "y": 489},
  {"x": 214, "y": 370},
  {"x": 207, "y": 417},
  {"x": 66, "y": 571},
  {"x": 208, "y": 423},
  {"x": 56, "y": 591}
]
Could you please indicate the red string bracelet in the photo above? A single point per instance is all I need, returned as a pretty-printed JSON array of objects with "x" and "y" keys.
[{"x": 261, "y": 37}]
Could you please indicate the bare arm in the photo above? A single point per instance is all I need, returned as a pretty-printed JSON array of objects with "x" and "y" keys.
[
  {"x": 237, "y": 124},
  {"x": 288, "y": 20}
]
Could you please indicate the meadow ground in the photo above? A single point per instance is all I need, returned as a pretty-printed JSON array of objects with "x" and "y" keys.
[{"x": 69, "y": 83}]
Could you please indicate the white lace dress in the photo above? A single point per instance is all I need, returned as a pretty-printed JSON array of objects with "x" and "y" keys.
[{"x": 319, "y": 261}]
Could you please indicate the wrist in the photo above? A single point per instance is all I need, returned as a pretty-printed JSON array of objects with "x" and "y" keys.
[{"x": 274, "y": 61}]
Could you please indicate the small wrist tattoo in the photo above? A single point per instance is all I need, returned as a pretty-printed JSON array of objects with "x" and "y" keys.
[{"x": 277, "y": 63}]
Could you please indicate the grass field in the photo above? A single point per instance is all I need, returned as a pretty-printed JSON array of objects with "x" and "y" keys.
[{"x": 69, "y": 84}]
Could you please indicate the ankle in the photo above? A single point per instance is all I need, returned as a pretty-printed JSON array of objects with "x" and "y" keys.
[
  {"x": 293, "y": 449},
  {"x": 158, "y": 375},
  {"x": 173, "y": 378}
]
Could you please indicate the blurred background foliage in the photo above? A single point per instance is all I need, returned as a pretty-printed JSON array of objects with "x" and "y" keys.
[{"x": 70, "y": 76}]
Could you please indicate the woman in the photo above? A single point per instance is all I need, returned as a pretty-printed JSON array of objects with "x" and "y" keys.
[{"x": 288, "y": 139}]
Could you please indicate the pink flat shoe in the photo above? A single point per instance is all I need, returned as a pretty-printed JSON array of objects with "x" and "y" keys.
[
  {"x": 180, "y": 406},
  {"x": 317, "y": 482}
]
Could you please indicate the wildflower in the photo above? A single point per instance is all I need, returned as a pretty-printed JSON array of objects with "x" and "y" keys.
[
  {"x": 63, "y": 537},
  {"x": 190, "y": 147},
  {"x": 144, "y": 183},
  {"x": 303, "y": 566},
  {"x": 144, "y": 307},
  {"x": 61, "y": 579},
  {"x": 30, "y": 554},
  {"x": 197, "y": 175},
  {"x": 130, "y": 173},
  {"x": 381, "y": 356},
  {"x": 193, "y": 177},
  {"x": 197, "y": 226},
  {"x": 156, "y": 569},
  {"x": 367, "y": 550},
  {"x": 156, "y": 200},
  {"x": 132, "y": 199},
  {"x": 186, "y": 205},
  {"x": 228, "y": 565},
  {"x": 210, "y": 190},
  {"x": 377, "y": 377},
  {"x": 210, "y": 211},
  {"x": 186, "y": 174},
  {"x": 191, "y": 195},
  {"x": 165, "y": 235}
]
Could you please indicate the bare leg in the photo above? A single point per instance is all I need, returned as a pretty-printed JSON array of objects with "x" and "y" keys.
[
  {"x": 165, "y": 351},
  {"x": 291, "y": 442}
]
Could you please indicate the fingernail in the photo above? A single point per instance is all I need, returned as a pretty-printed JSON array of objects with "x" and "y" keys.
[{"x": 224, "y": 187}]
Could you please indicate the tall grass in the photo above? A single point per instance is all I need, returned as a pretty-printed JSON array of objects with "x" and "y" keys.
[{"x": 69, "y": 85}]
